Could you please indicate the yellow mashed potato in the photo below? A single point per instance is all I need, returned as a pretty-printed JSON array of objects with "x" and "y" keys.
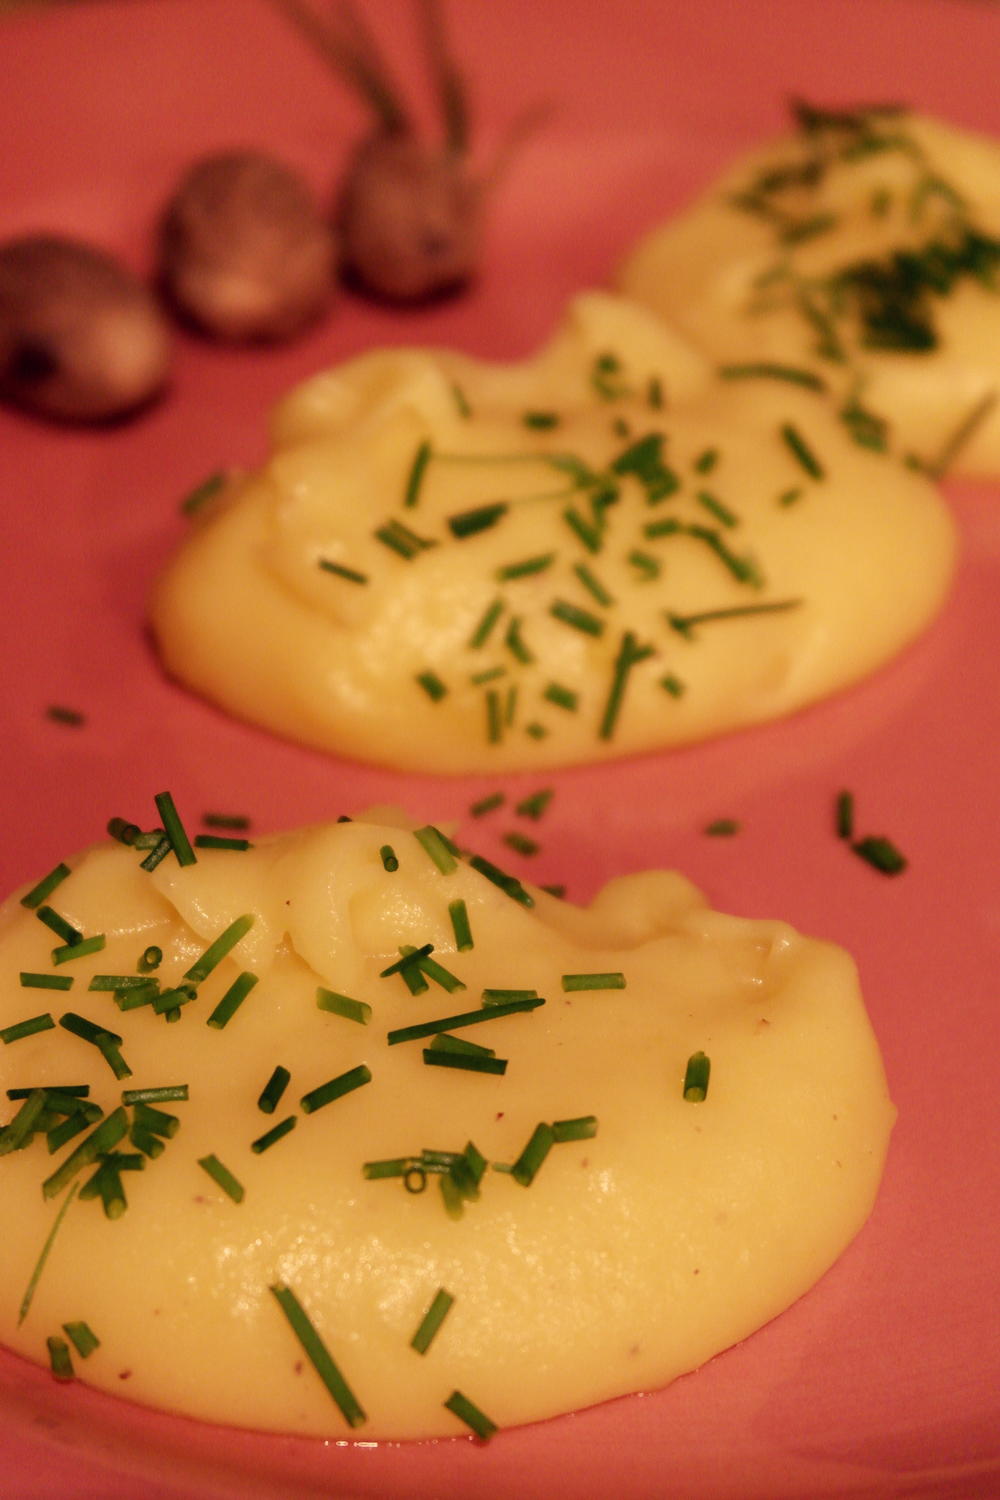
[
  {"x": 865, "y": 247},
  {"x": 640, "y": 1231},
  {"x": 448, "y": 565}
]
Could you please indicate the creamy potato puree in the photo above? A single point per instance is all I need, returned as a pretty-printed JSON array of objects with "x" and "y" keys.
[
  {"x": 865, "y": 247},
  {"x": 635, "y": 1253},
  {"x": 448, "y": 565}
]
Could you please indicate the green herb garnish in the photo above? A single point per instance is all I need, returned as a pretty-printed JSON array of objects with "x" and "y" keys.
[
  {"x": 343, "y": 1005},
  {"x": 318, "y": 1355},
  {"x": 31, "y": 981},
  {"x": 335, "y": 1088},
  {"x": 82, "y": 1337},
  {"x": 30, "y": 1027},
  {"x": 696, "y": 1077},
  {"x": 722, "y": 828},
  {"x": 608, "y": 981},
  {"x": 270, "y": 1137},
  {"x": 350, "y": 574},
  {"x": 231, "y": 1000},
  {"x": 432, "y": 1320},
  {"x": 173, "y": 828},
  {"x": 470, "y": 1414},
  {"x": 219, "y": 949},
  {"x": 881, "y": 853},
  {"x": 45, "y": 887},
  {"x": 465, "y": 1018},
  {"x": 222, "y": 1176}
]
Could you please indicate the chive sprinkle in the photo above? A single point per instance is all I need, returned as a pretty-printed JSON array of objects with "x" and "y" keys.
[
  {"x": 630, "y": 653},
  {"x": 525, "y": 568},
  {"x": 722, "y": 828},
  {"x": 60, "y": 1362},
  {"x": 59, "y": 925},
  {"x": 531, "y": 1158},
  {"x": 696, "y": 1076},
  {"x": 415, "y": 477},
  {"x": 30, "y": 981},
  {"x": 520, "y": 843},
  {"x": 343, "y": 1005},
  {"x": 717, "y": 508},
  {"x": 490, "y": 616},
  {"x": 60, "y": 713},
  {"x": 401, "y": 540},
  {"x": 273, "y": 1089},
  {"x": 470, "y": 1414},
  {"x": 220, "y": 841},
  {"x": 60, "y": 1135},
  {"x": 509, "y": 884},
  {"x": 583, "y": 1128},
  {"x": 235, "y": 822},
  {"x": 387, "y": 855},
  {"x": 672, "y": 684},
  {"x": 580, "y": 619},
  {"x": 487, "y": 804},
  {"x": 219, "y": 949},
  {"x": 82, "y": 1337},
  {"x": 610, "y": 981},
  {"x": 223, "y": 1177},
  {"x": 231, "y": 1001},
  {"x": 501, "y": 997},
  {"x": 335, "y": 1088},
  {"x": 29, "y": 1027},
  {"x": 481, "y": 518},
  {"x": 68, "y": 1090},
  {"x": 318, "y": 1354},
  {"x": 351, "y": 574},
  {"x": 562, "y": 697},
  {"x": 765, "y": 369},
  {"x": 167, "y": 1093},
  {"x": 270, "y": 1137},
  {"x": 431, "y": 1321},
  {"x": 465, "y": 1018},
  {"x": 101, "y": 1140},
  {"x": 202, "y": 493},
  {"x": 411, "y": 957},
  {"x": 69, "y": 951},
  {"x": 881, "y": 853},
  {"x": 844, "y": 815},
  {"x": 802, "y": 452},
  {"x": 432, "y": 685},
  {"x": 445, "y": 1042},
  {"x": 88, "y": 1030},
  {"x": 174, "y": 829},
  {"x": 685, "y": 624},
  {"x": 469, "y": 1062},
  {"x": 459, "y": 914},
  {"x": 437, "y": 847},
  {"x": 45, "y": 887},
  {"x": 157, "y": 854}
]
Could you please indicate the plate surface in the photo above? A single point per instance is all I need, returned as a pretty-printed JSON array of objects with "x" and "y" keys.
[{"x": 885, "y": 1380}]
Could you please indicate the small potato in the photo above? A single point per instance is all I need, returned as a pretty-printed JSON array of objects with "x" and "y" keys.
[
  {"x": 244, "y": 251},
  {"x": 81, "y": 338}
]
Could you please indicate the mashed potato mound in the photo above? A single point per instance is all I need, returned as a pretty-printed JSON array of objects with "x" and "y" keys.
[{"x": 607, "y": 1142}]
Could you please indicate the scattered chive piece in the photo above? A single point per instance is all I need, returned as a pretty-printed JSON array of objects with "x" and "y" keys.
[
  {"x": 470, "y": 1414},
  {"x": 117, "y": 982},
  {"x": 881, "y": 854},
  {"x": 174, "y": 829},
  {"x": 502, "y": 997},
  {"x": 335, "y": 1088},
  {"x": 165, "y": 1001},
  {"x": 541, "y": 421},
  {"x": 60, "y": 1135},
  {"x": 461, "y": 402},
  {"x": 580, "y": 619},
  {"x": 845, "y": 815},
  {"x": 555, "y": 890},
  {"x": 89, "y": 945},
  {"x": 459, "y": 914},
  {"x": 82, "y": 1337},
  {"x": 706, "y": 461},
  {"x": 801, "y": 451},
  {"x": 219, "y": 949},
  {"x": 432, "y": 1320},
  {"x": 202, "y": 493},
  {"x": 539, "y": 1145},
  {"x": 400, "y": 539},
  {"x": 273, "y": 1090},
  {"x": 722, "y": 828},
  {"x": 236, "y": 822},
  {"x": 481, "y": 518},
  {"x": 489, "y": 618},
  {"x": 487, "y": 804},
  {"x": 470, "y": 1062},
  {"x": 696, "y": 1076},
  {"x": 715, "y": 507},
  {"x": 437, "y": 848},
  {"x": 494, "y": 717},
  {"x": 231, "y": 1001},
  {"x": 107, "y": 1134},
  {"x": 59, "y": 713},
  {"x": 387, "y": 855},
  {"x": 31, "y": 981},
  {"x": 684, "y": 624},
  {"x": 343, "y": 1005},
  {"x": 152, "y": 958},
  {"x": 396, "y": 1166},
  {"x": 145, "y": 1141},
  {"x": 60, "y": 1361},
  {"x": 318, "y": 1355},
  {"x": 515, "y": 643},
  {"x": 351, "y": 574},
  {"x": 609, "y": 981},
  {"x": 490, "y": 675},
  {"x": 416, "y": 475},
  {"x": 509, "y": 884},
  {"x": 45, "y": 887},
  {"x": 654, "y": 393},
  {"x": 520, "y": 843},
  {"x": 648, "y": 566},
  {"x": 122, "y": 831},
  {"x": 445, "y": 1042},
  {"x": 410, "y": 959},
  {"x": 593, "y": 585},
  {"x": 630, "y": 653},
  {"x": 432, "y": 685},
  {"x": 25, "y": 1123},
  {"x": 466, "y": 1018},
  {"x": 217, "y": 841},
  {"x": 789, "y": 497},
  {"x": 526, "y": 568},
  {"x": 268, "y": 1139},
  {"x": 88, "y": 1030},
  {"x": 534, "y": 805},
  {"x": 562, "y": 697},
  {"x": 27, "y": 1028},
  {"x": 157, "y": 854},
  {"x": 672, "y": 685},
  {"x": 583, "y": 1128},
  {"x": 59, "y": 925},
  {"x": 69, "y": 1090},
  {"x": 587, "y": 533},
  {"x": 765, "y": 369},
  {"x": 223, "y": 1177},
  {"x": 157, "y": 1121},
  {"x": 168, "y": 1093},
  {"x": 535, "y": 730}
]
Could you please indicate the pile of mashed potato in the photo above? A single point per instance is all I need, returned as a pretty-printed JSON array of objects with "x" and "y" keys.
[{"x": 663, "y": 1126}]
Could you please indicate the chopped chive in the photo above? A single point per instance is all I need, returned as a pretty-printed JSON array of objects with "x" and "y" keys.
[
  {"x": 844, "y": 815},
  {"x": 464, "y": 409},
  {"x": 614, "y": 980},
  {"x": 168, "y": 1093},
  {"x": 470, "y": 1062},
  {"x": 396, "y": 1166},
  {"x": 665, "y": 526},
  {"x": 343, "y": 1005},
  {"x": 562, "y": 697},
  {"x": 318, "y": 1355},
  {"x": 23, "y": 1127},
  {"x": 580, "y": 619},
  {"x": 157, "y": 853},
  {"x": 593, "y": 584},
  {"x": 445, "y": 1042},
  {"x": 122, "y": 831},
  {"x": 72, "y": 1091},
  {"x": 722, "y": 828},
  {"x": 59, "y": 713},
  {"x": 539, "y": 1145},
  {"x": 30, "y": 981},
  {"x": 481, "y": 518},
  {"x": 535, "y": 730},
  {"x": 45, "y": 887},
  {"x": 145, "y": 1141},
  {"x": 541, "y": 421},
  {"x": 654, "y": 393},
  {"x": 470, "y": 1414},
  {"x": 502, "y": 997},
  {"x": 706, "y": 461},
  {"x": 478, "y": 679},
  {"x": 583, "y": 1128},
  {"x": 410, "y": 959},
  {"x": 59, "y": 925},
  {"x": 267, "y": 1140},
  {"x": 223, "y": 1177},
  {"x": 387, "y": 855},
  {"x": 650, "y": 567},
  {"x": 106, "y": 1135},
  {"x": 116, "y": 983},
  {"x": 494, "y": 717},
  {"x": 789, "y": 497},
  {"x": 743, "y": 569},
  {"x": 202, "y": 493},
  {"x": 219, "y": 949},
  {"x": 514, "y": 642},
  {"x": 437, "y": 847},
  {"x": 152, "y": 958},
  {"x": 60, "y": 1361},
  {"x": 174, "y": 829},
  {"x": 432, "y": 685},
  {"x": 60, "y": 1135},
  {"x": 82, "y": 1337},
  {"x": 489, "y": 618},
  {"x": 881, "y": 853},
  {"x": 525, "y": 568},
  {"x": 69, "y": 951},
  {"x": 587, "y": 533},
  {"x": 555, "y": 890},
  {"x": 938, "y": 467},
  {"x": 335, "y": 1088},
  {"x": 509, "y": 884},
  {"x": 138, "y": 995},
  {"x": 164, "y": 1001},
  {"x": 459, "y": 914},
  {"x": 630, "y": 653},
  {"x": 487, "y": 804},
  {"x": 520, "y": 843},
  {"x": 236, "y": 822},
  {"x": 87, "y": 1030},
  {"x": 218, "y": 841},
  {"x": 765, "y": 369},
  {"x": 400, "y": 539},
  {"x": 684, "y": 624},
  {"x": 231, "y": 1001},
  {"x": 351, "y": 574},
  {"x": 534, "y": 805},
  {"x": 801, "y": 451},
  {"x": 415, "y": 478},
  {"x": 696, "y": 1076},
  {"x": 431, "y": 1321},
  {"x": 109, "y": 1050},
  {"x": 29, "y": 1027},
  {"x": 466, "y": 1018},
  {"x": 157, "y": 1121},
  {"x": 672, "y": 684},
  {"x": 715, "y": 507}
]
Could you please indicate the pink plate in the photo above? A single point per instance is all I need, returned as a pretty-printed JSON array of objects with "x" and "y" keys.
[{"x": 884, "y": 1380}]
